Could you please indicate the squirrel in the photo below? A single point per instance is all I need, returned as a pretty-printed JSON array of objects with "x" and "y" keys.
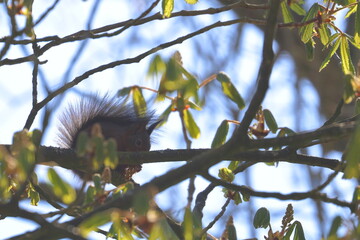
[{"x": 117, "y": 120}]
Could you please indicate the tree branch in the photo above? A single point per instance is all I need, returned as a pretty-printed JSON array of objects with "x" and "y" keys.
[
  {"x": 312, "y": 194},
  {"x": 240, "y": 135}
]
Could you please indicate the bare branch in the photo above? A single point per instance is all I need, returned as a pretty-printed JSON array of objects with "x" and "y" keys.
[{"x": 312, "y": 194}]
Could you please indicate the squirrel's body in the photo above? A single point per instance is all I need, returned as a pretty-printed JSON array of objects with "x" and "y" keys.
[{"x": 116, "y": 119}]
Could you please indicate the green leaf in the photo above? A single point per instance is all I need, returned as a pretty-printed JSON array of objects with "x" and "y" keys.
[
  {"x": 165, "y": 115},
  {"x": 352, "y": 169},
  {"x": 167, "y": 7},
  {"x": 309, "y": 49},
  {"x": 346, "y": 63},
  {"x": 324, "y": 34},
  {"x": 237, "y": 198},
  {"x": 349, "y": 93},
  {"x": 90, "y": 195},
  {"x": 296, "y": 7},
  {"x": 286, "y": 13},
  {"x": 36, "y": 136},
  {"x": 299, "y": 232},
  {"x": 226, "y": 174},
  {"x": 357, "y": 25},
  {"x": 162, "y": 231},
  {"x": 141, "y": 202},
  {"x": 193, "y": 105},
  {"x": 157, "y": 66},
  {"x": 188, "y": 225},
  {"x": 92, "y": 223},
  {"x": 98, "y": 159},
  {"x": 233, "y": 165},
  {"x": 62, "y": 189},
  {"x": 139, "y": 101},
  {"x": 220, "y": 135},
  {"x": 124, "y": 91},
  {"x": 111, "y": 159},
  {"x": 270, "y": 121},
  {"x": 191, "y": 125},
  {"x": 191, "y": 87},
  {"x": 29, "y": 27},
  {"x": 336, "y": 223},
  {"x": 351, "y": 11},
  {"x": 229, "y": 89},
  {"x": 332, "y": 51},
  {"x": 245, "y": 197},
  {"x": 98, "y": 183},
  {"x": 191, "y": 1},
  {"x": 231, "y": 230},
  {"x": 289, "y": 232},
  {"x": 33, "y": 195},
  {"x": 262, "y": 218},
  {"x": 306, "y": 32}
]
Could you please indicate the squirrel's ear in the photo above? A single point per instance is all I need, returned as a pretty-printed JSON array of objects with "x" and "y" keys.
[{"x": 151, "y": 128}]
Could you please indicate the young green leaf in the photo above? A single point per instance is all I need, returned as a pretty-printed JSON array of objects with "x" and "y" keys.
[
  {"x": 156, "y": 66},
  {"x": 352, "y": 154},
  {"x": 346, "y": 63},
  {"x": 98, "y": 159},
  {"x": 262, "y": 218},
  {"x": 332, "y": 51},
  {"x": 191, "y": 125},
  {"x": 324, "y": 33},
  {"x": 124, "y": 91},
  {"x": 306, "y": 32},
  {"x": 336, "y": 223},
  {"x": 191, "y": 1},
  {"x": 165, "y": 115},
  {"x": 231, "y": 230},
  {"x": 139, "y": 101},
  {"x": 111, "y": 159},
  {"x": 141, "y": 202},
  {"x": 29, "y": 27},
  {"x": 351, "y": 11},
  {"x": 94, "y": 222},
  {"x": 299, "y": 232},
  {"x": 90, "y": 195},
  {"x": 270, "y": 120},
  {"x": 229, "y": 89},
  {"x": 188, "y": 225},
  {"x": 296, "y": 7},
  {"x": 357, "y": 25},
  {"x": 233, "y": 165},
  {"x": 309, "y": 50},
  {"x": 33, "y": 195},
  {"x": 220, "y": 135},
  {"x": 349, "y": 93},
  {"x": 287, "y": 17},
  {"x": 62, "y": 189},
  {"x": 237, "y": 198},
  {"x": 193, "y": 105},
  {"x": 167, "y": 8},
  {"x": 226, "y": 174}
]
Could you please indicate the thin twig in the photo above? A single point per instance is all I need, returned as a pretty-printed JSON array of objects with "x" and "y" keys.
[
  {"x": 217, "y": 217},
  {"x": 138, "y": 58},
  {"x": 291, "y": 196}
]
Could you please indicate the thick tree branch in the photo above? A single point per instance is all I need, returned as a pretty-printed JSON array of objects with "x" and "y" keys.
[
  {"x": 67, "y": 158},
  {"x": 240, "y": 135}
]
